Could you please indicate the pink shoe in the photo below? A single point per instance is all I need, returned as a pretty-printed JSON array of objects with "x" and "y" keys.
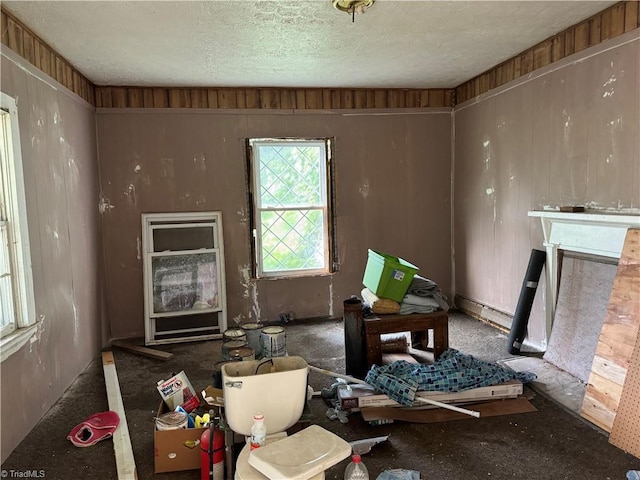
[{"x": 96, "y": 427}]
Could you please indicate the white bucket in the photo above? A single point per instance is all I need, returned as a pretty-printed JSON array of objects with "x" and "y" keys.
[
  {"x": 274, "y": 342},
  {"x": 253, "y": 331},
  {"x": 231, "y": 334}
]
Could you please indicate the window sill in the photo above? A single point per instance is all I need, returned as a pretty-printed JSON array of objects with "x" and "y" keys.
[
  {"x": 15, "y": 341},
  {"x": 290, "y": 276}
]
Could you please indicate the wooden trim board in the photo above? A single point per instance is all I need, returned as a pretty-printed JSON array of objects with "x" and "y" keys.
[
  {"x": 144, "y": 351},
  {"x": 272, "y": 98},
  {"x": 22, "y": 40},
  {"x": 609, "y": 23},
  {"x": 616, "y": 20},
  {"x": 125, "y": 463}
]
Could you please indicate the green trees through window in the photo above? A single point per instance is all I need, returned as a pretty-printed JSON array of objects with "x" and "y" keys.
[{"x": 291, "y": 206}]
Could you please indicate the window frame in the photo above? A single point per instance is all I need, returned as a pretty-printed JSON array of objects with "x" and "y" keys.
[
  {"x": 329, "y": 213},
  {"x": 15, "y": 210}
]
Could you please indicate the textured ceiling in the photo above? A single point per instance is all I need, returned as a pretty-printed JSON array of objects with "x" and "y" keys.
[{"x": 294, "y": 43}]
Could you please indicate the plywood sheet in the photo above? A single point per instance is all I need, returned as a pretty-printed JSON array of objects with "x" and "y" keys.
[{"x": 617, "y": 348}]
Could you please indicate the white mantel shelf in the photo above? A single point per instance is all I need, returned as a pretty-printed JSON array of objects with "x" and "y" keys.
[
  {"x": 594, "y": 233},
  {"x": 600, "y": 234}
]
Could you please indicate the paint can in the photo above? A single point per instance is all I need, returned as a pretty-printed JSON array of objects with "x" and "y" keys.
[
  {"x": 253, "y": 331},
  {"x": 232, "y": 345},
  {"x": 171, "y": 421},
  {"x": 274, "y": 342},
  {"x": 217, "y": 372},
  {"x": 243, "y": 354},
  {"x": 235, "y": 333}
]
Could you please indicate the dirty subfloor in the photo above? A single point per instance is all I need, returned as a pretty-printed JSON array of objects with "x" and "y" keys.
[{"x": 551, "y": 443}]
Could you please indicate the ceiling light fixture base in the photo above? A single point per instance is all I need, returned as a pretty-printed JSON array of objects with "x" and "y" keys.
[{"x": 352, "y": 6}]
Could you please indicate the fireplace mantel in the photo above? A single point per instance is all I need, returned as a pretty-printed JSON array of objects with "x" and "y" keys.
[{"x": 600, "y": 234}]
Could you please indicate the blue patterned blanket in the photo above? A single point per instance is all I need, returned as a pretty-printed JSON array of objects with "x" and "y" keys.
[{"x": 452, "y": 372}]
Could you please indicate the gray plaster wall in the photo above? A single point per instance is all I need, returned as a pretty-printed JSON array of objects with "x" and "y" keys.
[
  {"x": 58, "y": 141},
  {"x": 565, "y": 135},
  {"x": 392, "y": 173}
]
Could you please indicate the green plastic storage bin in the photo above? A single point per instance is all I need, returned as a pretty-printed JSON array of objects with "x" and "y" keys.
[{"x": 388, "y": 276}]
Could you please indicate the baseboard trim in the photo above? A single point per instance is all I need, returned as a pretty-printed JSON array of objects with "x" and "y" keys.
[{"x": 490, "y": 315}]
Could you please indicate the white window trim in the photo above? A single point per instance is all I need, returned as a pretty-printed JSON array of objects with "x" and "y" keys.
[
  {"x": 15, "y": 340},
  {"x": 25, "y": 309},
  {"x": 324, "y": 207}
]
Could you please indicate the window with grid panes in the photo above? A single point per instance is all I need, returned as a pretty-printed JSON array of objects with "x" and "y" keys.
[
  {"x": 17, "y": 308},
  {"x": 292, "y": 219}
]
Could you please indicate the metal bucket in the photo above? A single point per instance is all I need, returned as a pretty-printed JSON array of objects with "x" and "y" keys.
[
  {"x": 231, "y": 334},
  {"x": 232, "y": 345},
  {"x": 217, "y": 372},
  {"x": 274, "y": 342},
  {"x": 243, "y": 354},
  {"x": 253, "y": 331}
]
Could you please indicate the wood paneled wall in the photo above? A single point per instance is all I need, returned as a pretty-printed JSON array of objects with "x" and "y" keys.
[
  {"x": 620, "y": 18},
  {"x": 271, "y": 98},
  {"x": 616, "y": 20},
  {"x": 28, "y": 45},
  {"x": 19, "y": 38}
]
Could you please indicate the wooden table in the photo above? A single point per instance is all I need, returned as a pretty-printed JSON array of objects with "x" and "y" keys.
[{"x": 437, "y": 321}]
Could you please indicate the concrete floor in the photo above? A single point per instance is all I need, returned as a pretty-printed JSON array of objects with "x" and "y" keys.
[{"x": 552, "y": 443}]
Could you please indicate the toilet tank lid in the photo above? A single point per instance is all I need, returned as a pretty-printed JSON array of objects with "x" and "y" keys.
[{"x": 301, "y": 455}]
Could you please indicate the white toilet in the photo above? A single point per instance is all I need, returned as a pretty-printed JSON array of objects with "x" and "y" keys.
[{"x": 277, "y": 387}]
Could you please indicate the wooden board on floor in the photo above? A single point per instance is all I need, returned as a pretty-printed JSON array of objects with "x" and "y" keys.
[
  {"x": 617, "y": 339},
  {"x": 140, "y": 350},
  {"x": 418, "y": 415},
  {"x": 125, "y": 463}
]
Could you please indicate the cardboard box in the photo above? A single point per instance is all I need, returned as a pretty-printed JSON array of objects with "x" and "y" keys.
[
  {"x": 176, "y": 450},
  {"x": 359, "y": 396}
]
